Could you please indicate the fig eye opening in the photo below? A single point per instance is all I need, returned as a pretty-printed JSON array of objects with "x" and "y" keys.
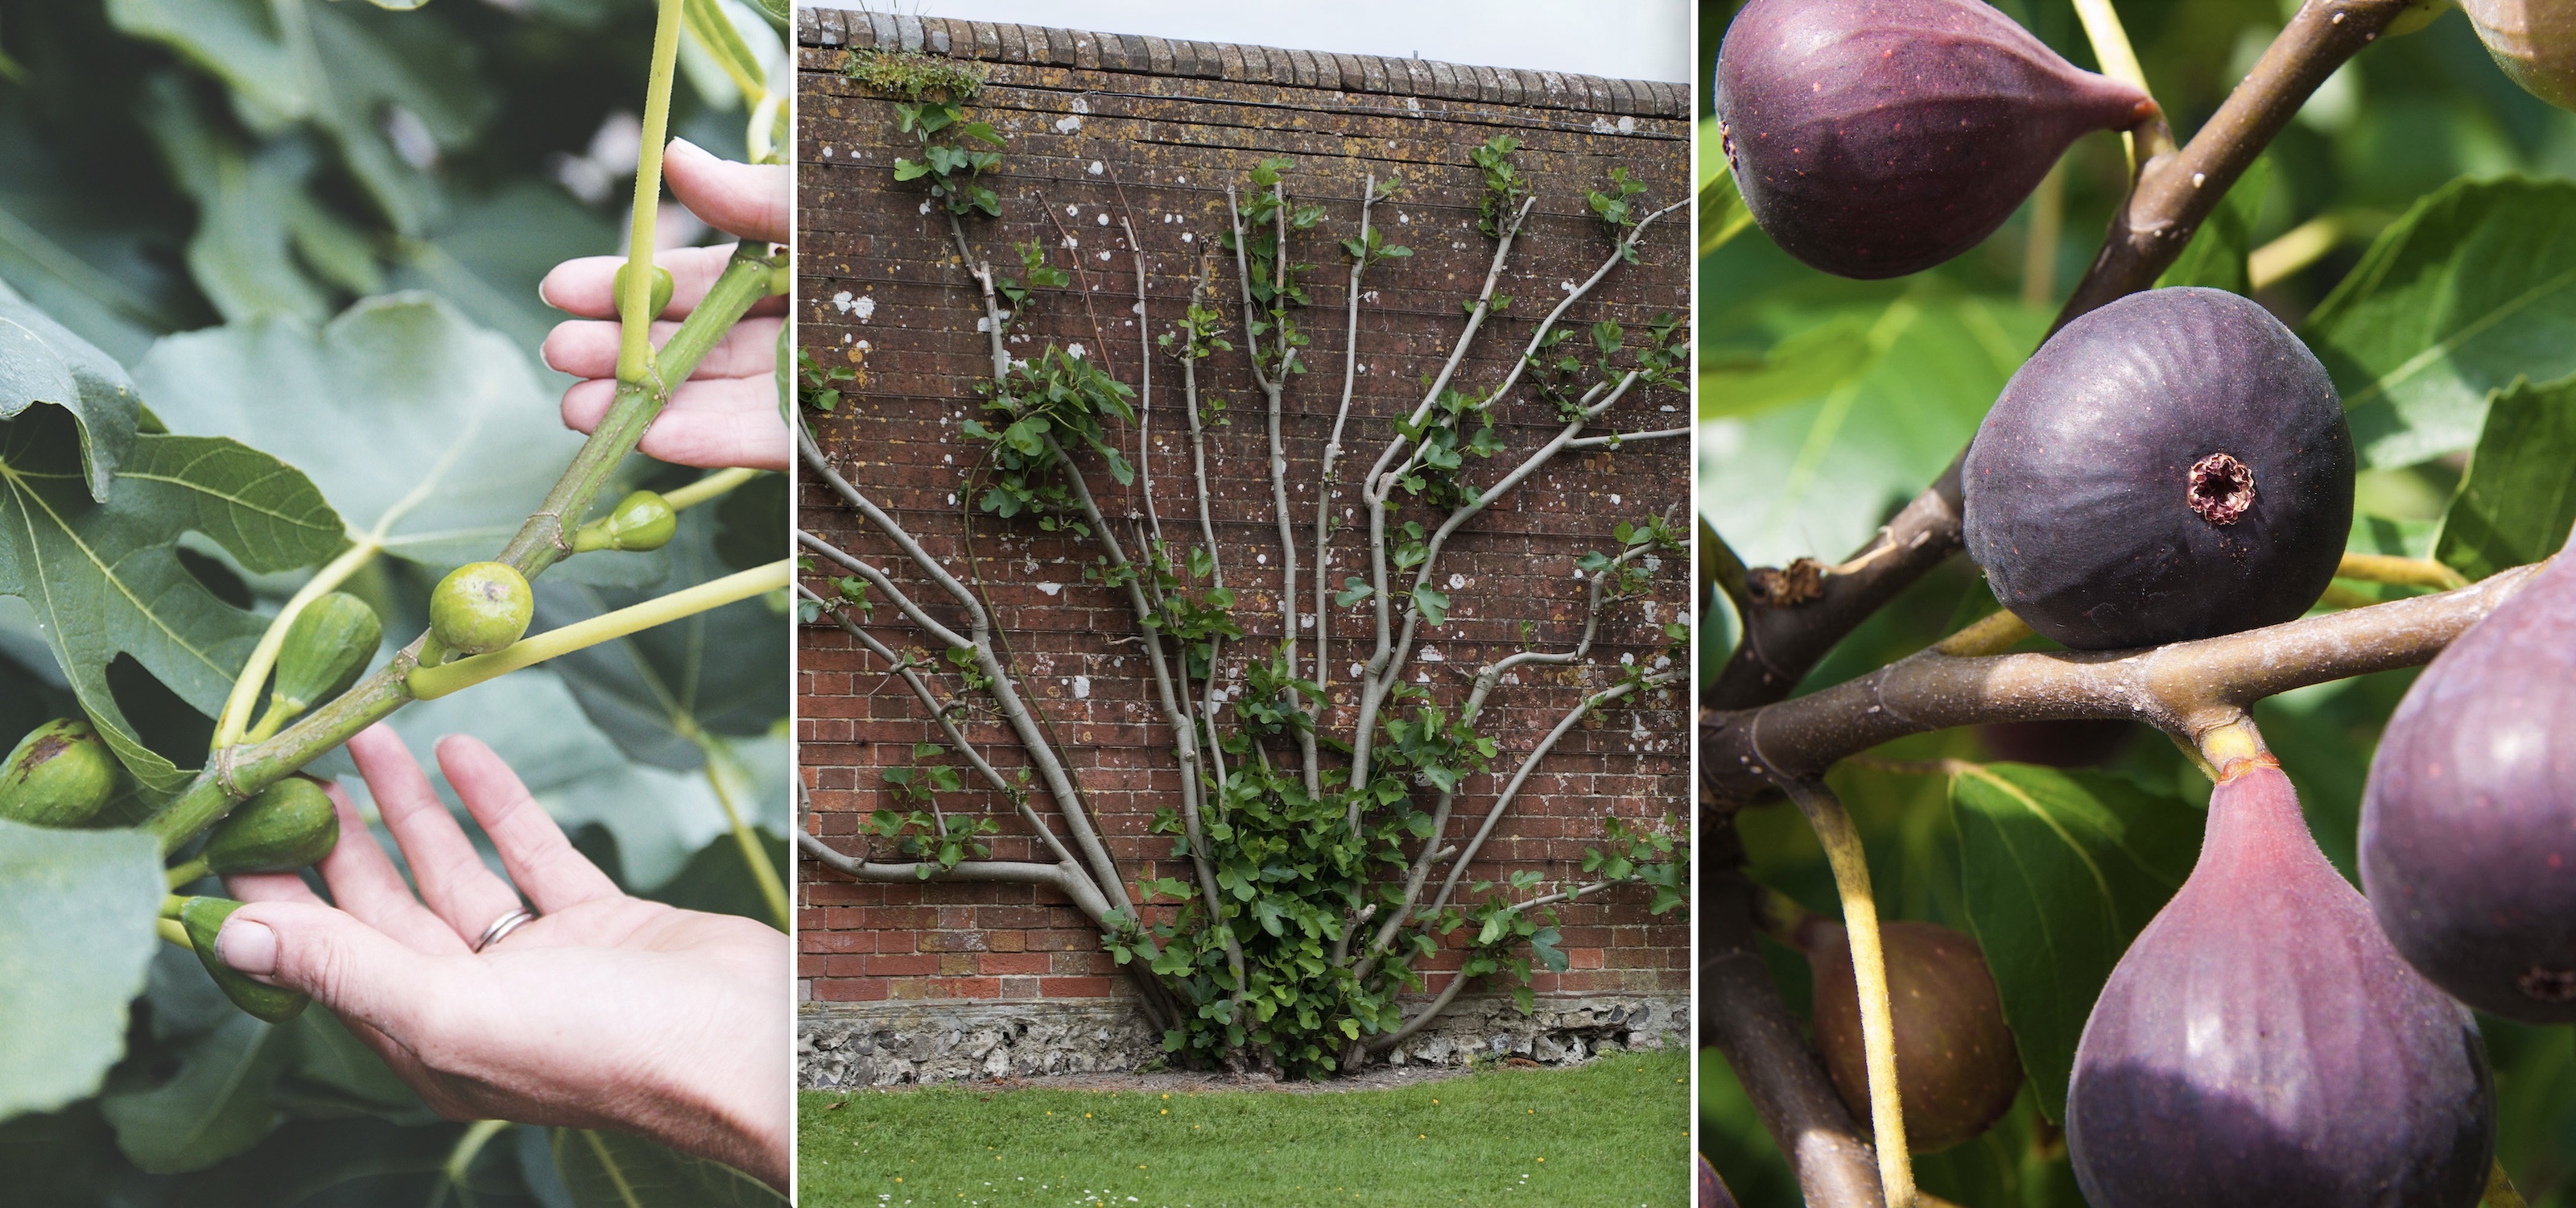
[{"x": 2222, "y": 488}]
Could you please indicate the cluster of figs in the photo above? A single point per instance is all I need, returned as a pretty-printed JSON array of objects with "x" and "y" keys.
[{"x": 2173, "y": 466}]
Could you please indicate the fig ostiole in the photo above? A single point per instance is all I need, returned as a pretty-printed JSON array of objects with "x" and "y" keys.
[
  {"x": 1956, "y": 1069},
  {"x": 659, "y": 292},
  {"x": 2534, "y": 41},
  {"x": 200, "y": 920},
  {"x": 2174, "y": 465},
  {"x": 2261, "y": 1044},
  {"x": 1875, "y": 138},
  {"x": 61, "y": 774},
  {"x": 641, "y": 521},
  {"x": 286, "y": 826},
  {"x": 480, "y": 607},
  {"x": 2468, "y": 819}
]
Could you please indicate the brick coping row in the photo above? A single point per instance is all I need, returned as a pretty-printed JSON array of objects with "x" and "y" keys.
[{"x": 1038, "y": 45}]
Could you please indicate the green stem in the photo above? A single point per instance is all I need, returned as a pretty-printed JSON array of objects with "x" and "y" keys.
[
  {"x": 263, "y": 657},
  {"x": 172, "y": 931},
  {"x": 182, "y": 874},
  {"x": 722, "y": 775},
  {"x": 238, "y": 772},
  {"x": 635, "y": 347},
  {"x": 2501, "y": 1192},
  {"x": 430, "y": 683},
  {"x": 1841, "y": 841},
  {"x": 460, "y": 1160},
  {"x": 713, "y": 486}
]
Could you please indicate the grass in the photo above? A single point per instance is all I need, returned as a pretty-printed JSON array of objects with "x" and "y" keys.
[{"x": 1611, "y": 1134}]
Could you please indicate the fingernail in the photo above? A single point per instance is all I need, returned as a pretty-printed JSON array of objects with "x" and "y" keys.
[
  {"x": 248, "y": 946},
  {"x": 677, "y": 143}
]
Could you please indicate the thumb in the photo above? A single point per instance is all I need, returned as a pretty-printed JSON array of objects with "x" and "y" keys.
[
  {"x": 748, "y": 200},
  {"x": 345, "y": 965}
]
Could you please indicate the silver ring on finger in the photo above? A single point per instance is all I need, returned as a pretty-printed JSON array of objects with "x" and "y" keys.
[{"x": 503, "y": 926}]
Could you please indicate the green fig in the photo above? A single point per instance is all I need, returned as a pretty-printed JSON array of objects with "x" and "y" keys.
[
  {"x": 641, "y": 521},
  {"x": 661, "y": 291},
  {"x": 204, "y": 919},
  {"x": 2534, "y": 41},
  {"x": 327, "y": 649},
  {"x": 290, "y": 824},
  {"x": 61, "y": 774},
  {"x": 1956, "y": 1068},
  {"x": 480, "y": 607}
]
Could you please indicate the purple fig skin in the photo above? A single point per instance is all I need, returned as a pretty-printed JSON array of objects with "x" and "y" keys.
[
  {"x": 1712, "y": 1189},
  {"x": 1875, "y": 138},
  {"x": 2260, "y": 1045},
  {"x": 2468, "y": 824},
  {"x": 1956, "y": 1068},
  {"x": 2083, "y": 504}
]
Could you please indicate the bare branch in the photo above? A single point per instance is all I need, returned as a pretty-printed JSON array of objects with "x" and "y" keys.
[
  {"x": 2187, "y": 689},
  {"x": 1064, "y": 878}
]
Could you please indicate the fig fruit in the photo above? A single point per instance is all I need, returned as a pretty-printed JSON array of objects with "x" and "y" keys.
[
  {"x": 480, "y": 607},
  {"x": 1712, "y": 1189},
  {"x": 2534, "y": 41},
  {"x": 1956, "y": 1068},
  {"x": 641, "y": 521},
  {"x": 1875, "y": 138},
  {"x": 61, "y": 774},
  {"x": 2468, "y": 822},
  {"x": 204, "y": 919},
  {"x": 2261, "y": 1044},
  {"x": 288, "y": 825},
  {"x": 659, "y": 292},
  {"x": 327, "y": 649},
  {"x": 2174, "y": 465}
]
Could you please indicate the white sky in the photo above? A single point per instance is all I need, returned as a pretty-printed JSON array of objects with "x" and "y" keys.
[{"x": 1622, "y": 39}]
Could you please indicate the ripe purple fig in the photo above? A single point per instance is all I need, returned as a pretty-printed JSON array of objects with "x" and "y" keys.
[
  {"x": 1956, "y": 1068},
  {"x": 1712, "y": 1189},
  {"x": 2468, "y": 824},
  {"x": 2261, "y": 1045},
  {"x": 2174, "y": 465},
  {"x": 1875, "y": 138}
]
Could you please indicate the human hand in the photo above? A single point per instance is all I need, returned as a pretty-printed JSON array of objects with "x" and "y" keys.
[
  {"x": 726, "y": 414},
  {"x": 606, "y": 1011}
]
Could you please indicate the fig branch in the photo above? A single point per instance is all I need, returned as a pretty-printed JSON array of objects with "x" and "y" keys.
[
  {"x": 2174, "y": 194},
  {"x": 2197, "y": 691},
  {"x": 236, "y": 772}
]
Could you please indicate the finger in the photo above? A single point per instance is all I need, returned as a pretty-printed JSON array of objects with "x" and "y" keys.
[
  {"x": 587, "y": 348},
  {"x": 725, "y": 422},
  {"x": 532, "y": 847},
  {"x": 450, "y": 873},
  {"x": 748, "y": 200},
  {"x": 585, "y": 286},
  {"x": 270, "y": 887},
  {"x": 345, "y": 965},
  {"x": 364, "y": 882}
]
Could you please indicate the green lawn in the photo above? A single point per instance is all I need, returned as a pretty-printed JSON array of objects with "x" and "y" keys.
[{"x": 1612, "y": 1134}]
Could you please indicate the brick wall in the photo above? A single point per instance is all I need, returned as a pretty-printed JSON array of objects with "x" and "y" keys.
[{"x": 1105, "y": 125}]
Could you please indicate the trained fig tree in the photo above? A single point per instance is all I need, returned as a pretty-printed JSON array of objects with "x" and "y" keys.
[
  {"x": 1334, "y": 786},
  {"x": 2276, "y": 448},
  {"x": 297, "y": 476}
]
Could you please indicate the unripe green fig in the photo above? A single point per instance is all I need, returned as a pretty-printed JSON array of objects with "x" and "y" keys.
[
  {"x": 480, "y": 607},
  {"x": 642, "y": 521},
  {"x": 2416, "y": 15},
  {"x": 1956, "y": 1068},
  {"x": 2468, "y": 822},
  {"x": 204, "y": 919},
  {"x": 2534, "y": 41},
  {"x": 2261, "y": 1045},
  {"x": 61, "y": 774},
  {"x": 1875, "y": 138},
  {"x": 661, "y": 291},
  {"x": 327, "y": 649},
  {"x": 288, "y": 825}
]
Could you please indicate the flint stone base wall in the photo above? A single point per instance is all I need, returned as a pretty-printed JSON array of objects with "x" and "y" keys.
[{"x": 845, "y": 1046}]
